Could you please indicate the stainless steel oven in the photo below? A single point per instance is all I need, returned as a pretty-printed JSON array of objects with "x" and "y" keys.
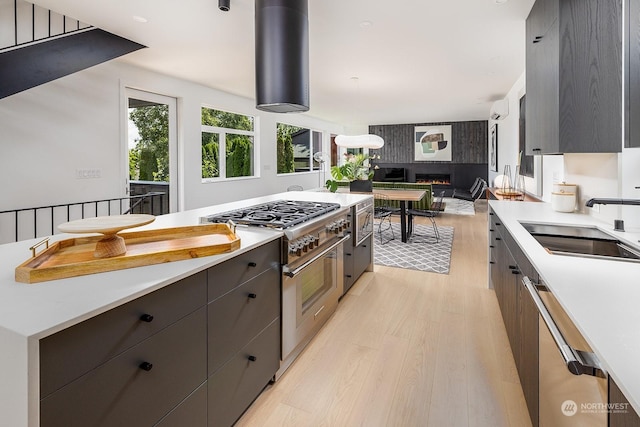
[
  {"x": 573, "y": 387},
  {"x": 312, "y": 282},
  {"x": 363, "y": 221}
]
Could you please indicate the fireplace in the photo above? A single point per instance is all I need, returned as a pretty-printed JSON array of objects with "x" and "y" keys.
[{"x": 433, "y": 178}]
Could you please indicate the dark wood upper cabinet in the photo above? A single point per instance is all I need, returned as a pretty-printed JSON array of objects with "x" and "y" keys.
[
  {"x": 574, "y": 76},
  {"x": 632, "y": 66}
]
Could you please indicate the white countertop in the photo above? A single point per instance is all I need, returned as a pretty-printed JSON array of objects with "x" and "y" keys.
[
  {"x": 40, "y": 309},
  {"x": 602, "y": 297}
]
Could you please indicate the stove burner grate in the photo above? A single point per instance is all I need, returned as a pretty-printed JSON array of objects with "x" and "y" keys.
[{"x": 279, "y": 214}]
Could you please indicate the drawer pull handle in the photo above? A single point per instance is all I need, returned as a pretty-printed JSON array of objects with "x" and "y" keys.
[
  {"x": 252, "y": 296},
  {"x": 347, "y": 275},
  {"x": 498, "y": 223},
  {"x": 146, "y": 318},
  {"x": 512, "y": 267},
  {"x": 492, "y": 262},
  {"x": 515, "y": 272},
  {"x": 146, "y": 366},
  {"x": 252, "y": 358},
  {"x": 491, "y": 246},
  {"x": 491, "y": 229},
  {"x": 498, "y": 238},
  {"x": 253, "y": 264}
]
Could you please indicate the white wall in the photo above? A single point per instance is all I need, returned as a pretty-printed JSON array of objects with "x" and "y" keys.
[
  {"x": 509, "y": 137},
  {"x": 76, "y": 122}
]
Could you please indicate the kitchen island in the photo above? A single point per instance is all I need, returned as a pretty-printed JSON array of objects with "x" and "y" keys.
[
  {"x": 31, "y": 312},
  {"x": 600, "y": 296}
]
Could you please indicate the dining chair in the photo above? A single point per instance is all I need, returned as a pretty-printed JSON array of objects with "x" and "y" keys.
[
  {"x": 431, "y": 214},
  {"x": 382, "y": 212}
]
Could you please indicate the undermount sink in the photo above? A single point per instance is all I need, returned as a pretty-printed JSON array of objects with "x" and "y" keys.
[{"x": 582, "y": 241}]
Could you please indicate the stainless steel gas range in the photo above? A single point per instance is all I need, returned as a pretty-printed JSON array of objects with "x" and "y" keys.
[{"x": 312, "y": 263}]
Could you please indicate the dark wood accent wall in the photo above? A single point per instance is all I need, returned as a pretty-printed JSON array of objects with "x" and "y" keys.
[
  {"x": 469, "y": 155},
  {"x": 469, "y": 141}
]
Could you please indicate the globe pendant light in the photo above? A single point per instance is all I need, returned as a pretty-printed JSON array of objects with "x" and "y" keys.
[{"x": 359, "y": 141}]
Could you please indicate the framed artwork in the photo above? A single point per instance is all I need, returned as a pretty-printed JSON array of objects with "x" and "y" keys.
[
  {"x": 432, "y": 143},
  {"x": 493, "y": 148}
]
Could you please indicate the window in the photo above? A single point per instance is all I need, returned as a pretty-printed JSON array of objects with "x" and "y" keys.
[
  {"x": 227, "y": 144},
  {"x": 296, "y": 147}
]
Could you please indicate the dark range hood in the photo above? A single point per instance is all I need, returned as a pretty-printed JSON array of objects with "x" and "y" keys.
[{"x": 282, "y": 56}]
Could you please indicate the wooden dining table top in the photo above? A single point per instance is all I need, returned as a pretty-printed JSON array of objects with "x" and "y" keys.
[{"x": 401, "y": 194}]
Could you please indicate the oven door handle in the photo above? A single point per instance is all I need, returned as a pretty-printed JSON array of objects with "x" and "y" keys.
[
  {"x": 293, "y": 272},
  {"x": 578, "y": 362}
]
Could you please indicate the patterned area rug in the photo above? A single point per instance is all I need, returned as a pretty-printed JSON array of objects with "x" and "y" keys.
[
  {"x": 418, "y": 253},
  {"x": 458, "y": 207}
]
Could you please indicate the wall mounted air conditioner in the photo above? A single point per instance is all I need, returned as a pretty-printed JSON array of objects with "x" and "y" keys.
[{"x": 500, "y": 109}]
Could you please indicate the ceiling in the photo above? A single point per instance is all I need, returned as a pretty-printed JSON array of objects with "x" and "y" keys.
[{"x": 415, "y": 60}]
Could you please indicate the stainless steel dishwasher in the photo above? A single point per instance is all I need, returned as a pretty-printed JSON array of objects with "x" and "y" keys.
[{"x": 573, "y": 386}]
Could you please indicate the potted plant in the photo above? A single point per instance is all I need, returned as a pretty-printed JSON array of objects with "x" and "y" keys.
[{"x": 355, "y": 170}]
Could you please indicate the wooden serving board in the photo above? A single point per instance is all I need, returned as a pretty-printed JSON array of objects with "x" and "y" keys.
[{"x": 75, "y": 257}]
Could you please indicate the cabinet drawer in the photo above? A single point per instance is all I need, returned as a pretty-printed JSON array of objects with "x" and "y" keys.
[
  {"x": 70, "y": 353},
  {"x": 224, "y": 277},
  {"x": 240, "y": 315},
  {"x": 122, "y": 393},
  {"x": 191, "y": 412},
  {"x": 233, "y": 387},
  {"x": 362, "y": 257}
]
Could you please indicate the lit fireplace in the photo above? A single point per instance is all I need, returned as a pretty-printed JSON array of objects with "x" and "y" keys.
[{"x": 435, "y": 179}]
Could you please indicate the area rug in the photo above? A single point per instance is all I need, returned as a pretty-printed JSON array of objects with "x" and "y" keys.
[
  {"x": 458, "y": 207},
  {"x": 417, "y": 254}
]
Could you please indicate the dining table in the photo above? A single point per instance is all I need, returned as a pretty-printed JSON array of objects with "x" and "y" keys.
[{"x": 406, "y": 199}]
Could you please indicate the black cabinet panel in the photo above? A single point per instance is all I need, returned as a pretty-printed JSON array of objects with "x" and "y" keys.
[
  {"x": 192, "y": 412},
  {"x": 574, "y": 77},
  {"x": 224, "y": 277},
  {"x": 235, "y": 385},
  {"x": 72, "y": 352},
  {"x": 123, "y": 391},
  {"x": 241, "y": 315},
  {"x": 632, "y": 59}
]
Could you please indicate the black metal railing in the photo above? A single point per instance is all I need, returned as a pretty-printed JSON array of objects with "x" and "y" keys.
[
  {"x": 33, "y": 23},
  {"x": 29, "y": 223}
]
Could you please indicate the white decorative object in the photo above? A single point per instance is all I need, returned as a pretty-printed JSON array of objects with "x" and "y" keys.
[{"x": 359, "y": 141}]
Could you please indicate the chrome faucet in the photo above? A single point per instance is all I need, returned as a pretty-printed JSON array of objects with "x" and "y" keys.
[
  {"x": 596, "y": 201},
  {"x": 618, "y": 224}
]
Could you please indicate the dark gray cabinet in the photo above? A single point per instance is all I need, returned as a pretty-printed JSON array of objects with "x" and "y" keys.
[
  {"x": 194, "y": 353},
  {"x": 508, "y": 266},
  {"x": 574, "y": 77},
  {"x": 622, "y": 414},
  {"x": 632, "y": 63},
  {"x": 356, "y": 258},
  {"x": 243, "y": 331}
]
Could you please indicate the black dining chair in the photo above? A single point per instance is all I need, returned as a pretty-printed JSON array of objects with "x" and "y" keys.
[
  {"x": 382, "y": 212},
  {"x": 436, "y": 206}
]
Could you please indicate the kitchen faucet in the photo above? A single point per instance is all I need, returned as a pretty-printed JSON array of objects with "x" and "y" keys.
[
  {"x": 596, "y": 201},
  {"x": 618, "y": 224}
]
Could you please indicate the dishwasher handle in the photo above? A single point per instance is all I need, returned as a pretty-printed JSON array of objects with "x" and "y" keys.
[{"x": 578, "y": 362}]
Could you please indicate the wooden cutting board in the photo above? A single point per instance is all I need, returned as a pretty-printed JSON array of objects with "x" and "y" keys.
[{"x": 75, "y": 257}]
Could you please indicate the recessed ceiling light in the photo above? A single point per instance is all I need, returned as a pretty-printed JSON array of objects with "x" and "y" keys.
[
  {"x": 366, "y": 24},
  {"x": 501, "y": 1},
  {"x": 141, "y": 19}
]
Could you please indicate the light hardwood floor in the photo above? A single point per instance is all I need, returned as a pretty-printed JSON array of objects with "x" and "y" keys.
[{"x": 407, "y": 348}]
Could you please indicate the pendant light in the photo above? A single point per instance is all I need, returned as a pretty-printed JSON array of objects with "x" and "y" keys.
[
  {"x": 282, "y": 56},
  {"x": 359, "y": 141}
]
